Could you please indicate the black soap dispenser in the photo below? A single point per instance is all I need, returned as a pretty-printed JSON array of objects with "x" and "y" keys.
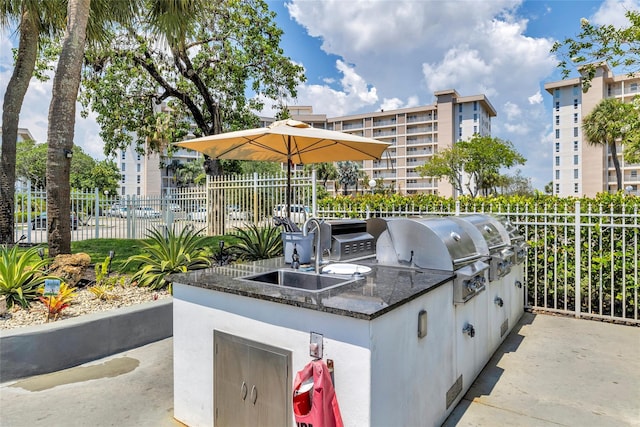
[{"x": 295, "y": 258}]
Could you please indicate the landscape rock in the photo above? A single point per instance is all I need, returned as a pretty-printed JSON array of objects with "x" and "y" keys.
[{"x": 70, "y": 267}]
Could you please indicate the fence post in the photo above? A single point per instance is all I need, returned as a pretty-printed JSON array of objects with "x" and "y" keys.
[
  {"x": 578, "y": 284},
  {"x": 29, "y": 207},
  {"x": 314, "y": 203},
  {"x": 457, "y": 207},
  {"x": 96, "y": 212},
  {"x": 255, "y": 198}
]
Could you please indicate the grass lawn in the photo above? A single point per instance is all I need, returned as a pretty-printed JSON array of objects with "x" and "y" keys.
[{"x": 98, "y": 249}]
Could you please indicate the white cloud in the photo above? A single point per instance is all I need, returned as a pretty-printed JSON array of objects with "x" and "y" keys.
[
  {"x": 512, "y": 111},
  {"x": 536, "y": 98},
  {"x": 611, "y": 12}
]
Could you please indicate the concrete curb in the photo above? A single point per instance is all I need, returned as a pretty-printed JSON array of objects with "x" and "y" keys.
[{"x": 47, "y": 348}]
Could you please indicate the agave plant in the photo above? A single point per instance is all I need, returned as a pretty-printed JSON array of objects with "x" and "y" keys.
[
  {"x": 258, "y": 242},
  {"x": 175, "y": 253},
  {"x": 21, "y": 274}
]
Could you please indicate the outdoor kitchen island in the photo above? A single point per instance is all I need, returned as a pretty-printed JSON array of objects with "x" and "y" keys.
[{"x": 384, "y": 373}]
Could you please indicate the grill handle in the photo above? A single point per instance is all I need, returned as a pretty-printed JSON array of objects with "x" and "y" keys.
[{"x": 465, "y": 259}]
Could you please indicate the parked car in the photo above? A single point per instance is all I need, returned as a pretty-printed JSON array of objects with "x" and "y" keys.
[
  {"x": 40, "y": 222},
  {"x": 299, "y": 213},
  {"x": 234, "y": 212},
  {"x": 146, "y": 212},
  {"x": 117, "y": 210},
  {"x": 199, "y": 214}
]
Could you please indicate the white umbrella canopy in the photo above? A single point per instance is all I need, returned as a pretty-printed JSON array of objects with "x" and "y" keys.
[{"x": 289, "y": 141}]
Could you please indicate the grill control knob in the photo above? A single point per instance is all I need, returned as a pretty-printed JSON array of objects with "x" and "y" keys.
[
  {"x": 470, "y": 285},
  {"x": 499, "y": 301},
  {"x": 469, "y": 330},
  {"x": 518, "y": 284}
]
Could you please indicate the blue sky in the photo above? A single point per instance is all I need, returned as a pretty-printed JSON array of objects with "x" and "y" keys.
[{"x": 364, "y": 56}]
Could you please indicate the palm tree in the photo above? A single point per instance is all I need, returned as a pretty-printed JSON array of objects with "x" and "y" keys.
[
  {"x": 86, "y": 21},
  {"x": 35, "y": 20},
  {"x": 62, "y": 114},
  {"x": 347, "y": 173},
  {"x": 604, "y": 125}
]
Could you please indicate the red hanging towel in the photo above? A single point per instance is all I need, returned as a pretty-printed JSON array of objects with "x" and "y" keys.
[{"x": 324, "y": 410}]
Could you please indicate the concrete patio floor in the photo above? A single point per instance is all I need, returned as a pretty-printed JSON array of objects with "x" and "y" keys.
[{"x": 550, "y": 371}]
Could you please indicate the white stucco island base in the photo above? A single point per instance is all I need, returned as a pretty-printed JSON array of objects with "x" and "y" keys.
[{"x": 384, "y": 373}]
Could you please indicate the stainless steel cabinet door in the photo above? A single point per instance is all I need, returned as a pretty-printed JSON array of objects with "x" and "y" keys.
[{"x": 251, "y": 383}]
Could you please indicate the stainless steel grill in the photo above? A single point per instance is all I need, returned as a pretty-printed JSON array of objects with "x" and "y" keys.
[
  {"x": 440, "y": 244},
  {"x": 518, "y": 244},
  {"x": 497, "y": 240},
  {"x": 348, "y": 239}
]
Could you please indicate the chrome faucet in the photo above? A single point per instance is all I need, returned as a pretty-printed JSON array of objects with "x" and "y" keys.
[{"x": 317, "y": 244}]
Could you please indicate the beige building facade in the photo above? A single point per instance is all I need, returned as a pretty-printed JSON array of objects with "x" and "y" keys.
[
  {"x": 579, "y": 168},
  {"x": 415, "y": 134}
]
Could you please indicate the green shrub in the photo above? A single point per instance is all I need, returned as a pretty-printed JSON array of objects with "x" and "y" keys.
[
  {"x": 258, "y": 243},
  {"x": 177, "y": 253},
  {"x": 21, "y": 273}
]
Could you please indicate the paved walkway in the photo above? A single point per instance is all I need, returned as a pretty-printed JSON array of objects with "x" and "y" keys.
[{"x": 550, "y": 371}]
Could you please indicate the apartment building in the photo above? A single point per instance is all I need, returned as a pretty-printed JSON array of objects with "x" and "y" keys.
[
  {"x": 415, "y": 134},
  {"x": 580, "y": 168}
]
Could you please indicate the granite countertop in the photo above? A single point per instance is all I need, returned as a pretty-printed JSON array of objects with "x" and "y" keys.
[{"x": 366, "y": 296}]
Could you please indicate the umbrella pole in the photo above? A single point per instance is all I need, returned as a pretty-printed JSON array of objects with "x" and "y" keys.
[{"x": 289, "y": 185}]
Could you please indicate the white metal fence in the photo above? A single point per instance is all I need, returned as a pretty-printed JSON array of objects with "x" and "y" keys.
[
  {"x": 225, "y": 203},
  {"x": 583, "y": 259}
]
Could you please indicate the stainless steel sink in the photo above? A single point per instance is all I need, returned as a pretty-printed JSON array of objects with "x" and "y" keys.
[{"x": 290, "y": 278}]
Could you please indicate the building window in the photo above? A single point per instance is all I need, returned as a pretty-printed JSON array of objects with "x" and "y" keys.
[
  {"x": 557, "y": 160},
  {"x": 475, "y": 129},
  {"x": 122, "y": 191},
  {"x": 634, "y": 174},
  {"x": 475, "y": 117},
  {"x": 557, "y": 174},
  {"x": 459, "y": 108},
  {"x": 138, "y": 191},
  {"x": 633, "y": 87},
  {"x": 575, "y": 131},
  {"x": 575, "y": 159},
  {"x": 575, "y": 117},
  {"x": 138, "y": 157},
  {"x": 575, "y": 188},
  {"x": 475, "y": 105},
  {"x": 557, "y": 188},
  {"x": 138, "y": 167},
  {"x": 575, "y": 173},
  {"x": 557, "y": 120},
  {"x": 460, "y": 131},
  {"x": 137, "y": 179},
  {"x": 557, "y": 92},
  {"x": 557, "y": 147},
  {"x": 557, "y": 133},
  {"x": 575, "y": 145},
  {"x": 122, "y": 180},
  {"x": 122, "y": 165},
  {"x": 576, "y": 90},
  {"x": 123, "y": 155},
  {"x": 557, "y": 106},
  {"x": 575, "y": 103}
]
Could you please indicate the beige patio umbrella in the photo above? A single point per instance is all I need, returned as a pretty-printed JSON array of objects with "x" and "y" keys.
[{"x": 287, "y": 141}]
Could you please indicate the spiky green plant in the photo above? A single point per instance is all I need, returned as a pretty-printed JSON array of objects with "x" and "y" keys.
[
  {"x": 21, "y": 273},
  {"x": 258, "y": 242},
  {"x": 175, "y": 253}
]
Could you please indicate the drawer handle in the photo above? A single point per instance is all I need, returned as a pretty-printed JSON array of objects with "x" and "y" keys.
[
  {"x": 243, "y": 390},
  {"x": 254, "y": 394}
]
